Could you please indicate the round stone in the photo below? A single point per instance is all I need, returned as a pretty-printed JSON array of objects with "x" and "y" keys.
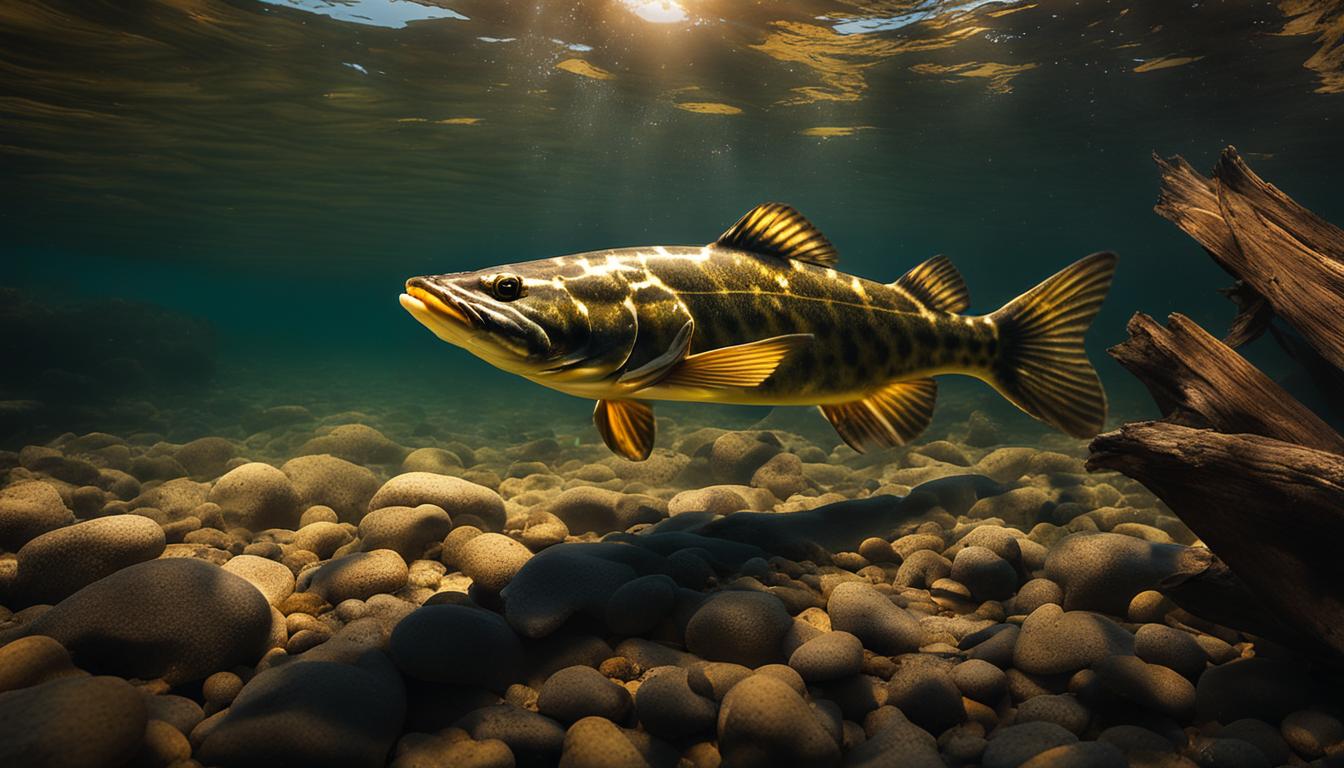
[
  {"x": 325, "y": 480},
  {"x": 408, "y": 531},
  {"x": 59, "y": 563},
  {"x": 745, "y": 628},
  {"x": 74, "y": 721},
  {"x": 274, "y": 581},
  {"x": 491, "y": 560},
  {"x": 28, "y": 510},
  {"x": 881, "y": 625},
  {"x": 830, "y": 656},
  {"x": 187, "y": 619},
  {"x": 763, "y": 721},
  {"x": 257, "y": 496},
  {"x": 576, "y": 692},
  {"x": 459, "y": 498},
  {"x": 359, "y": 576},
  {"x": 457, "y": 645}
]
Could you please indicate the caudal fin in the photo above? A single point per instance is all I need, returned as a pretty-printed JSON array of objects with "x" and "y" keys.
[{"x": 1041, "y": 365}]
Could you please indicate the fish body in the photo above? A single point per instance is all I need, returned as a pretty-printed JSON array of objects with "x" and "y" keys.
[{"x": 762, "y": 316}]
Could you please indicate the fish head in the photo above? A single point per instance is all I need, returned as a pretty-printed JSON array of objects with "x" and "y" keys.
[{"x": 530, "y": 319}]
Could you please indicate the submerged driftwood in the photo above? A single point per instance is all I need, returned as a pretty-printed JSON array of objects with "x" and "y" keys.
[{"x": 1256, "y": 474}]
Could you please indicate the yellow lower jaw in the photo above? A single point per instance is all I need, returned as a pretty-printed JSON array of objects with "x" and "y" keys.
[
  {"x": 433, "y": 303},
  {"x": 443, "y": 327}
]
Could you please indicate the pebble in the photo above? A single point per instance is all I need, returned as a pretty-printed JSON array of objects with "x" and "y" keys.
[
  {"x": 1263, "y": 688},
  {"x": 465, "y": 502},
  {"x": 526, "y": 733},
  {"x": 257, "y": 496},
  {"x": 1104, "y": 571},
  {"x": 596, "y": 742},
  {"x": 781, "y": 475},
  {"x": 311, "y": 713},
  {"x": 1014, "y": 745},
  {"x": 56, "y": 564},
  {"x": 576, "y": 692},
  {"x": 667, "y": 707},
  {"x": 358, "y": 443},
  {"x": 745, "y": 628},
  {"x": 1264, "y": 737},
  {"x": 989, "y": 576},
  {"x": 1147, "y": 685},
  {"x": 491, "y": 560},
  {"x": 734, "y": 457},
  {"x": 1055, "y": 642},
  {"x": 827, "y": 657},
  {"x": 558, "y": 583},
  {"x": 1226, "y": 753},
  {"x": 764, "y": 722},
  {"x": 359, "y": 576},
  {"x": 922, "y": 687},
  {"x": 188, "y": 618},
  {"x": 206, "y": 458},
  {"x": 881, "y": 625},
  {"x": 339, "y": 485},
  {"x": 322, "y": 538},
  {"x": 457, "y": 645},
  {"x": 1312, "y": 733},
  {"x": 32, "y": 660},
  {"x": 73, "y": 721},
  {"x": 1062, "y": 709},
  {"x": 599, "y": 510},
  {"x": 979, "y": 680},
  {"x": 1033, "y": 594},
  {"x": 640, "y": 605},
  {"x": 274, "y": 581},
  {"x": 408, "y": 531},
  {"x": 1170, "y": 647},
  {"x": 1021, "y": 506},
  {"x": 28, "y": 510},
  {"x": 1133, "y": 739},
  {"x": 1084, "y": 754}
]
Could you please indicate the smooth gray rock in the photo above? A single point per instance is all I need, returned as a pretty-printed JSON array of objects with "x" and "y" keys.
[
  {"x": 311, "y": 713},
  {"x": 827, "y": 657},
  {"x": 458, "y": 645},
  {"x": 72, "y": 722},
  {"x": 881, "y": 625},
  {"x": 764, "y": 722},
  {"x": 178, "y": 618},
  {"x": 576, "y": 692},
  {"x": 59, "y": 563},
  {"x": 745, "y": 628},
  {"x": 1054, "y": 642}
]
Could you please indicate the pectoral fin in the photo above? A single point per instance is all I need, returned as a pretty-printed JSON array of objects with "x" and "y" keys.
[
  {"x": 654, "y": 370},
  {"x": 626, "y": 426},
  {"x": 893, "y": 415},
  {"x": 739, "y": 366}
]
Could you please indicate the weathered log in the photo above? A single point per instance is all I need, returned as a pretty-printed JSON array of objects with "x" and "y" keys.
[
  {"x": 1273, "y": 511},
  {"x": 1198, "y": 381},
  {"x": 1286, "y": 257}
]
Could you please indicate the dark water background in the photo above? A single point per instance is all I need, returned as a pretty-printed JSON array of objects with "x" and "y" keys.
[{"x": 278, "y": 171}]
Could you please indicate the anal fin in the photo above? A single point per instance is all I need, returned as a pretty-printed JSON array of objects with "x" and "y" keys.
[
  {"x": 739, "y": 366},
  {"x": 627, "y": 427},
  {"x": 893, "y": 415}
]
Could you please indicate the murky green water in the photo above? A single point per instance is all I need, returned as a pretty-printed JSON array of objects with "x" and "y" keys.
[{"x": 277, "y": 169}]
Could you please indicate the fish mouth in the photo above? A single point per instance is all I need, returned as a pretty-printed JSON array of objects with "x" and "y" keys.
[{"x": 431, "y": 307}]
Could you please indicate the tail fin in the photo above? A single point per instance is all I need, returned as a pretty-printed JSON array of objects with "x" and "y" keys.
[{"x": 1041, "y": 365}]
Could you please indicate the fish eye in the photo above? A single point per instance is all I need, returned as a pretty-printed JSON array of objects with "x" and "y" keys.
[{"x": 506, "y": 287}]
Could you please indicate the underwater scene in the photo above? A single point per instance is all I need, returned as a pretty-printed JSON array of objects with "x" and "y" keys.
[{"x": 671, "y": 383}]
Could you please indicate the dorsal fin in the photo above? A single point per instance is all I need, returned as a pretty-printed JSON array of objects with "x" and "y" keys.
[
  {"x": 776, "y": 229},
  {"x": 937, "y": 285}
]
